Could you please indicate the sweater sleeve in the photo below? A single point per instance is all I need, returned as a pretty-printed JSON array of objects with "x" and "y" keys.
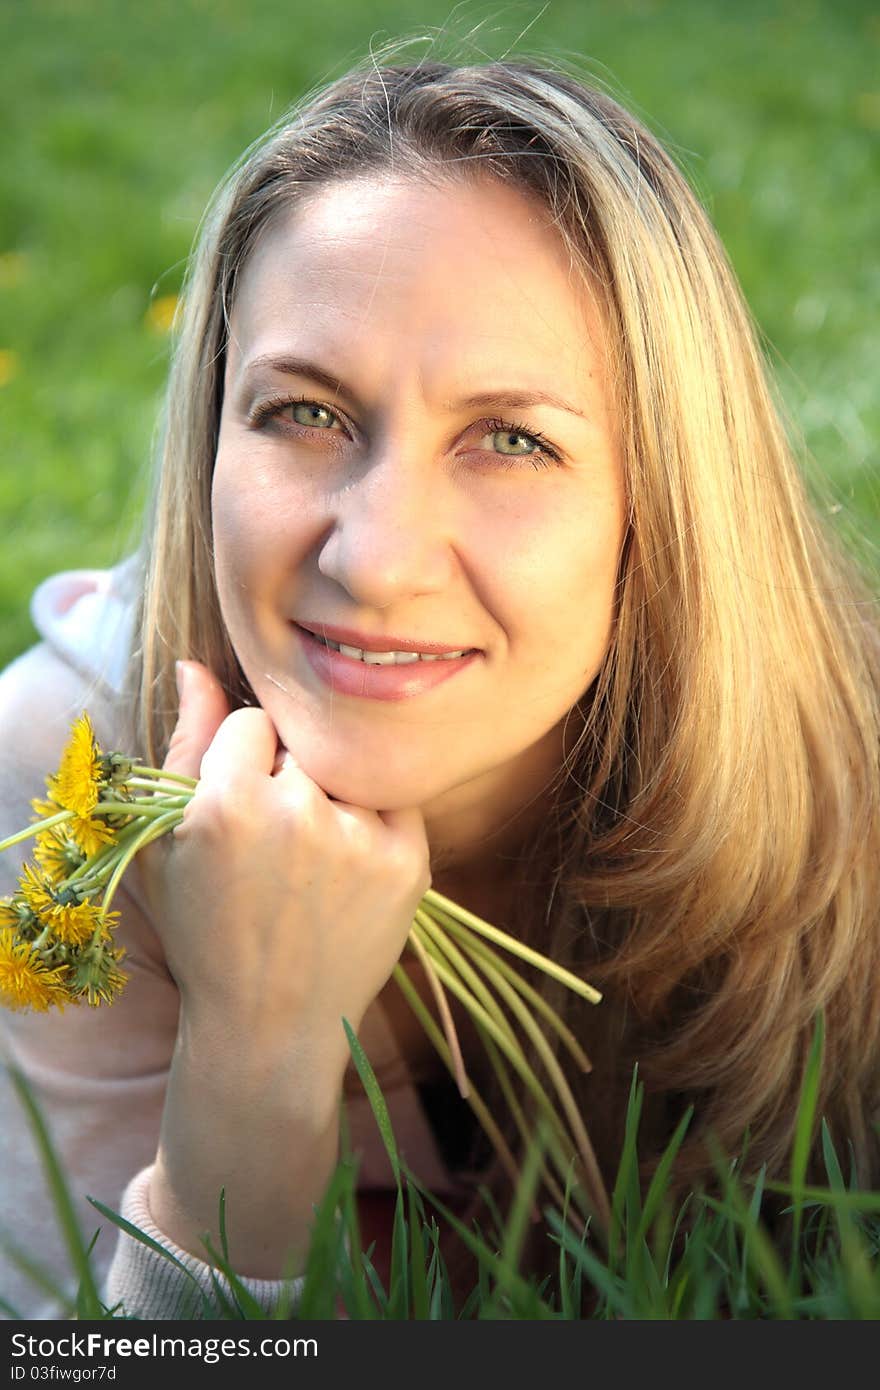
[
  {"x": 145, "y": 1284},
  {"x": 98, "y": 1076}
]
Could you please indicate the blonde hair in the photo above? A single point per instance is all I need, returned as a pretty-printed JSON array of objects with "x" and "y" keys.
[{"x": 715, "y": 861}]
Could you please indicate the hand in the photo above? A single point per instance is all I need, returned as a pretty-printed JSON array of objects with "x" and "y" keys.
[{"x": 280, "y": 910}]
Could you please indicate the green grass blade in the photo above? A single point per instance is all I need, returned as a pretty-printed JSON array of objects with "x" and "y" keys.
[
  {"x": 418, "y": 1276},
  {"x": 742, "y": 1297},
  {"x": 375, "y": 1097},
  {"x": 326, "y": 1249},
  {"x": 89, "y": 1304},
  {"x": 803, "y": 1143},
  {"x": 660, "y": 1180},
  {"x": 244, "y": 1305},
  {"x": 521, "y": 1209},
  {"x": 626, "y": 1197},
  {"x": 477, "y": 1247},
  {"x": 221, "y": 1221},
  {"x": 37, "y": 1275},
  {"x": 613, "y": 1289},
  {"x": 141, "y": 1236},
  {"x": 762, "y": 1256},
  {"x": 398, "y": 1293}
]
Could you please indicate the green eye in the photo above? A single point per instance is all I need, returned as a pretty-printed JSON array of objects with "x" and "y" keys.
[
  {"x": 505, "y": 437},
  {"x": 313, "y": 415}
]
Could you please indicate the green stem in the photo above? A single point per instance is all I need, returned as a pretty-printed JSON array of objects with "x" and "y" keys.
[
  {"x": 151, "y": 832},
  {"x": 440, "y": 941},
  {"x": 476, "y": 947},
  {"x": 444, "y": 1011},
  {"x": 43, "y": 938},
  {"x": 499, "y": 1066},
  {"x": 143, "y": 771},
  {"x": 511, "y": 1049},
  {"x": 588, "y": 1158},
  {"x": 96, "y": 866},
  {"x": 36, "y": 829},
  {"x": 474, "y": 1099},
  {"x": 445, "y": 908},
  {"x": 155, "y": 807},
  {"x": 582, "y": 1142},
  {"x": 172, "y": 787}
]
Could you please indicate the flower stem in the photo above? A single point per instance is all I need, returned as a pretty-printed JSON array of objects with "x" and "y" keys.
[
  {"x": 477, "y": 948},
  {"x": 142, "y": 770},
  {"x": 151, "y": 832},
  {"x": 588, "y": 1158},
  {"x": 595, "y": 1186},
  {"x": 441, "y": 908},
  {"x": 140, "y": 806},
  {"x": 474, "y": 1100},
  {"x": 444, "y": 1012},
  {"x": 36, "y": 828}
]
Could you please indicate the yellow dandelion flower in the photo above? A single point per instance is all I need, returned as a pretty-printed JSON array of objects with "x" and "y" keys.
[
  {"x": 89, "y": 835},
  {"x": 160, "y": 315},
  {"x": 96, "y": 977},
  {"x": 76, "y": 923},
  {"x": 42, "y": 809},
  {"x": 57, "y": 855},
  {"x": 9, "y": 915},
  {"x": 76, "y": 784},
  {"x": 36, "y": 892},
  {"x": 25, "y": 980}
]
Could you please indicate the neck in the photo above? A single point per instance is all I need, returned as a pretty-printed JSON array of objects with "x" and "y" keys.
[{"x": 478, "y": 832}]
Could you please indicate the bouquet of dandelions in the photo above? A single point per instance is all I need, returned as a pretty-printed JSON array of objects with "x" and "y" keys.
[{"x": 57, "y": 948}]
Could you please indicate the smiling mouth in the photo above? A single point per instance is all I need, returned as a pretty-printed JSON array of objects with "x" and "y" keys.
[
  {"x": 391, "y": 658},
  {"x": 400, "y": 672},
  {"x": 400, "y": 651}
]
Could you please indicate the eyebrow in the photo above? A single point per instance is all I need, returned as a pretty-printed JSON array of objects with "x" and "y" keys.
[{"x": 507, "y": 399}]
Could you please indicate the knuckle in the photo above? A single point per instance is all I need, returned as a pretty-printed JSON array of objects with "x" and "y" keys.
[
  {"x": 250, "y": 721},
  {"x": 408, "y": 863},
  {"x": 217, "y": 811}
]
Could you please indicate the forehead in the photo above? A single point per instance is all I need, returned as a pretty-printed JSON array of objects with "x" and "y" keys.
[{"x": 469, "y": 268}]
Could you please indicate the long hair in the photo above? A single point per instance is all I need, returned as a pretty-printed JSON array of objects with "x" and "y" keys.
[{"x": 714, "y": 859}]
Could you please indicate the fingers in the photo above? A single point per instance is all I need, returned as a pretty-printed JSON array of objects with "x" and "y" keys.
[
  {"x": 222, "y": 748},
  {"x": 202, "y": 708},
  {"x": 244, "y": 745}
]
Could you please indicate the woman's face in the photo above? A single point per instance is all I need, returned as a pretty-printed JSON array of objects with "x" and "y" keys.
[{"x": 397, "y": 355}]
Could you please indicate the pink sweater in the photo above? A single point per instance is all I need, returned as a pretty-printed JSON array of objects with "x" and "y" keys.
[{"x": 99, "y": 1075}]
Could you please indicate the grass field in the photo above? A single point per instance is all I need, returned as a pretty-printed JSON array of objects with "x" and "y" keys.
[{"x": 119, "y": 119}]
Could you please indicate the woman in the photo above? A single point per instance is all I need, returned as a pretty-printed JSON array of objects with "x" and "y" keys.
[{"x": 488, "y": 565}]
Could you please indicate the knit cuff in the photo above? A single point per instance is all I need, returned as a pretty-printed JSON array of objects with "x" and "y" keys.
[{"x": 148, "y": 1285}]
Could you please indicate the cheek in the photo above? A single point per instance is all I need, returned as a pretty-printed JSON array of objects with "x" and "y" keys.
[
  {"x": 247, "y": 530},
  {"x": 560, "y": 592}
]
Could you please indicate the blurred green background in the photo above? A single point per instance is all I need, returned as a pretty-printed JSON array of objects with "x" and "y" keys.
[{"x": 119, "y": 119}]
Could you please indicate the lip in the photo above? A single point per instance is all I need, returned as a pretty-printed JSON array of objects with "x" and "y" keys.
[
  {"x": 345, "y": 675},
  {"x": 383, "y": 642}
]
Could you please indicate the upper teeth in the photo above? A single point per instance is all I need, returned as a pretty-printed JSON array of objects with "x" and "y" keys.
[{"x": 389, "y": 658}]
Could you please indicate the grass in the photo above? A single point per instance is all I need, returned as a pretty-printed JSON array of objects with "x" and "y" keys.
[
  {"x": 821, "y": 1264},
  {"x": 119, "y": 119}
]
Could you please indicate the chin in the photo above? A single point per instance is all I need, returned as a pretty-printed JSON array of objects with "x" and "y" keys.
[
  {"x": 376, "y": 788},
  {"x": 380, "y": 793}
]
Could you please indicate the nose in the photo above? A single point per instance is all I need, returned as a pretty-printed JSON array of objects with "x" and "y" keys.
[{"x": 391, "y": 536}]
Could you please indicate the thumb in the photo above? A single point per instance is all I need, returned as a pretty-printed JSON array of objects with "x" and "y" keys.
[{"x": 201, "y": 710}]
